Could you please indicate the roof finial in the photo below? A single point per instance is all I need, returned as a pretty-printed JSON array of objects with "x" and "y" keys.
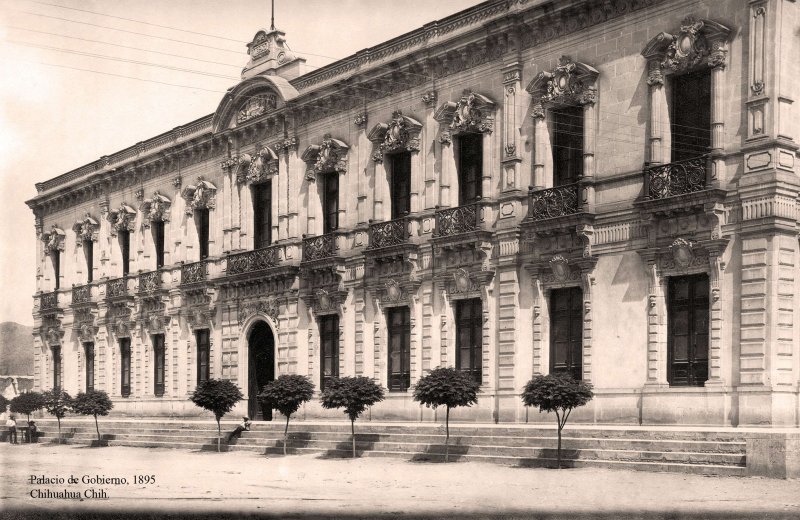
[{"x": 272, "y": 24}]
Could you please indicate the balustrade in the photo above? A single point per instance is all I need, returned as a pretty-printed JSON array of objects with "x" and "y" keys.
[
  {"x": 150, "y": 282},
  {"x": 81, "y": 294},
  {"x": 461, "y": 219},
  {"x": 193, "y": 273},
  {"x": 319, "y": 247},
  {"x": 388, "y": 233},
  {"x": 251, "y": 261},
  {"x": 48, "y": 300},
  {"x": 553, "y": 202},
  {"x": 678, "y": 178},
  {"x": 117, "y": 287}
]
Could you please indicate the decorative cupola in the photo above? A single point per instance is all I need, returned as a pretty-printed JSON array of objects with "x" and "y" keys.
[{"x": 271, "y": 56}]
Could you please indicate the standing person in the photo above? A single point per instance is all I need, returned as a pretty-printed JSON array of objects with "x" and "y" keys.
[{"x": 11, "y": 423}]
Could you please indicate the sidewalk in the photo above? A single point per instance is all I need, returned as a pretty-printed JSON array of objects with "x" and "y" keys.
[{"x": 301, "y": 486}]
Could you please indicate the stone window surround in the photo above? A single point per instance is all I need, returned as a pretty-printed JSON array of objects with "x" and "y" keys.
[
  {"x": 570, "y": 83},
  {"x": 330, "y": 157}
]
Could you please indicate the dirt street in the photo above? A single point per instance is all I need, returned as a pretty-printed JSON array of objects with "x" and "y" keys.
[{"x": 162, "y": 481}]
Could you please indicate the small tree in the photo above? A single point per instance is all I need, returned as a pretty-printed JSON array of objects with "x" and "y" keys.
[
  {"x": 93, "y": 402},
  {"x": 57, "y": 404},
  {"x": 558, "y": 393},
  {"x": 286, "y": 394},
  {"x": 218, "y": 396},
  {"x": 446, "y": 387},
  {"x": 27, "y": 403},
  {"x": 3, "y": 403},
  {"x": 354, "y": 394}
]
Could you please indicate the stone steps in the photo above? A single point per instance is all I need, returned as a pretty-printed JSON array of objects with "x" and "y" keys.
[{"x": 690, "y": 451}]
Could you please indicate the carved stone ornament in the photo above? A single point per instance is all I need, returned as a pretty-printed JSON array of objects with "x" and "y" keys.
[
  {"x": 157, "y": 323},
  {"x": 156, "y": 208},
  {"x": 201, "y": 195},
  {"x": 461, "y": 281},
  {"x": 122, "y": 328},
  {"x": 569, "y": 83},
  {"x": 86, "y": 331},
  {"x": 329, "y": 156},
  {"x": 473, "y": 113},
  {"x": 324, "y": 300},
  {"x": 53, "y": 336},
  {"x": 399, "y": 135},
  {"x": 560, "y": 268},
  {"x": 198, "y": 318},
  {"x": 267, "y": 307},
  {"x": 360, "y": 119},
  {"x": 86, "y": 229},
  {"x": 445, "y": 138},
  {"x": 123, "y": 219},
  {"x": 699, "y": 42},
  {"x": 429, "y": 98},
  {"x": 257, "y": 106},
  {"x": 54, "y": 240},
  {"x": 682, "y": 252},
  {"x": 258, "y": 167},
  {"x": 393, "y": 291}
]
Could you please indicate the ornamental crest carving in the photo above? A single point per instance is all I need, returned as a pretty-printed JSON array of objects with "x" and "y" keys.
[
  {"x": 86, "y": 229},
  {"x": 202, "y": 195},
  {"x": 569, "y": 83},
  {"x": 123, "y": 219},
  {"x": 156, "y": 208},
  {"x": 259, "y": 167},
  {"x": 329, "y": 156},
  {"x": 157, "y": 323},
  {"x": 473, "y": 113},
  {"x": 54, "y": 240},
  {"x": 559, "y": 266},
  {"x": 393, "y": 291},
  {"x": 257, "y": 106},
  {"x": 402, "y": 134},
  {"x": 198, "y": 318},
  {"x": 269, "y": 307},
  {"x": 53, "y": 336},
  {"x": 699, "y": 42}
]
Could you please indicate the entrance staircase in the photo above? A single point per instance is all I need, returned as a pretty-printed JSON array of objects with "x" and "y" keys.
[{"x": 688, "y": 450}]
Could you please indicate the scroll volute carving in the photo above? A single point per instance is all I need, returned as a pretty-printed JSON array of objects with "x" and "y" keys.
[
  {"x": 399, "y": 135},
  {"x": 473, "y": 112},
  {"x": 697, "y": 43},
  {"x": 329, "y": 156},
  {"x": 54, "y": 240},
  {"x": 123, "y": 219},
  {"x": 156, "y": 208},
  {"x": 259, "y": 167},
  {"x": 570, "y": 83},
  {"x": 201, "y": 195},
  {"x": 86, "y": 229}
]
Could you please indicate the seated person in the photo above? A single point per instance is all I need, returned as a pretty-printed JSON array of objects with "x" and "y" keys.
[
  {"x": 33, "y": 431},
  {"x": 242, "y": 426}
]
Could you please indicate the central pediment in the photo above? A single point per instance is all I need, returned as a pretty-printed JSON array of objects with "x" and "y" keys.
[{"x": 251, "y": 99}]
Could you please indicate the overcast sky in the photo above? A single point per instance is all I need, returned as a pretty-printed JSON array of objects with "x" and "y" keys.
[{"x": 54, "y": 118}]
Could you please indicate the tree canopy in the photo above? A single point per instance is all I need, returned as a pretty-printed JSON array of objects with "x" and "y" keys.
[
  {"x": 218, "y": 396},
  {"x": 446, "y": 386},
  {"x": 354, "y": 394},
  {"x": 27, "y": 403},
  {"x": 287, "y": 393}
]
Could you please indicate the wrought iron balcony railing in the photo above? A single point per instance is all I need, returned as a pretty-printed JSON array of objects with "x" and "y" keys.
[
  {"x": 117, "y": 287},
  {"x": 553, "y": 202},
  {"x": 319, "y": 247},
  {"x": 678, "y": 178},
  {"x": 149, "y": 282},
  {"x": 461, "y": 219},
  {"x": 251, "y": 261},
  {"x": 48, "y": 300},
  {"x": 81, "y": 294},
  {"x": 389, "y": 233},
  {"x": 194, "y": 272}
]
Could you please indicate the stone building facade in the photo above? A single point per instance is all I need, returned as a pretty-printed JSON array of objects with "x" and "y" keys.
[{"x": 606, "y": 188}]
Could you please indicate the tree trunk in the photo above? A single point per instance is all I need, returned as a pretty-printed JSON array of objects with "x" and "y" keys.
[
  {"x": 97, "y": 427},
  {"x": 59, "y": 428},
  {"x": 353, "y": 435},
  {"x": 447, "y": 435},
  {"x": 286, "y": 435},
  {"x": 219, "y": 435},
  {"x": 559, "y": 446}
]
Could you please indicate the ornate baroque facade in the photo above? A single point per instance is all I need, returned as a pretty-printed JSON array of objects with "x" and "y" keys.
[{"x": 606, "y": 188}]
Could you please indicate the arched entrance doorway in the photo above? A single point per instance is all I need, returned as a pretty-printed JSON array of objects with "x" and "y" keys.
[{"x": 260, "y": 368}]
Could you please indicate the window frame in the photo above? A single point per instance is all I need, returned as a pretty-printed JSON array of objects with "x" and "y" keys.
[
  {"x": 203, "y": 351},
  {"x": 89, "y": 357},
  {"x": 262, "y": 214},
  {"x": 125, "y": 250},
  {"x": 402, "y": 331},
  {"x": 88, "y": 251},
  {"x": 159, "y": 241},
  {"x": 475, "y": 328},
  {"x": 328, "y": 337},
  {"x": 125, "y": 363},
  {"x": 57, "y": 362},
  {"x": 573, "y": 315},
  {"x": 462, "y": 140},
  {"x": 692, "y": 304},
  {"x": 159, "y": 364},
  {"x": 55, "y": 257},
  {"x": 330, "y": 202},
  {"x": 565, "y": 121},
  {"x": 203, "y": 221},
  {"x": 690, "y": 135},
  {"x": 400, "y": 187}
]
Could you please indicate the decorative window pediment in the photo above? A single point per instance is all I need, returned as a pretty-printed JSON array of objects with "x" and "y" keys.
[
  {"x": 201, "y": 195},
  {"x": 698, "y": 42},
  {"x": 123, "y": 219},
  {"x": 570, "y": 83},
  {"x": 54, "y": 240},
  {"x": 259, "y": 167},
  {"x": 399, "y": 135},
  {"x": 329, "y": 156},
  {"x": 156, "y": 208},
  {"x": 86, "y": 229},
  {"x": 472, "y": 113}
]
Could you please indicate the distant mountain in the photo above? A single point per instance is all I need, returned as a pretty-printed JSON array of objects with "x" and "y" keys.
[{"x": 16, "y": 349}]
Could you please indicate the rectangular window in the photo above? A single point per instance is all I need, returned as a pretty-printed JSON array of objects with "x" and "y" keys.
[
  {"x": 470, "y": 168},
  {"x": 56, "y": 256},
  {"x": 330, "y": 202},
  {"x": 399, "y": 321},
  {"x": 202, "y": 232},
  {"x": 401, "y": 184},
  {"x": 262, "y": 213},
  {"x": 687, "y": 338},
  {"x": 469, "y": 337},
  {"x": 125, "y": 366},
  {"x": 125, "y": 246},
  {"x": 88, "y": 250},
  {"x": 329, "y": 348},
  {"x": 57, "y": 367},
  {"x": 89, "y": 353},
  {"x": 203, "y": 352},
  {"x": 690, "y": 123},
  {"x": 566, "y": 332},
  {"x": 158, "y": 238},
  {"x": 567, "y": 145},
  {"x": 158, "y": 364}
]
